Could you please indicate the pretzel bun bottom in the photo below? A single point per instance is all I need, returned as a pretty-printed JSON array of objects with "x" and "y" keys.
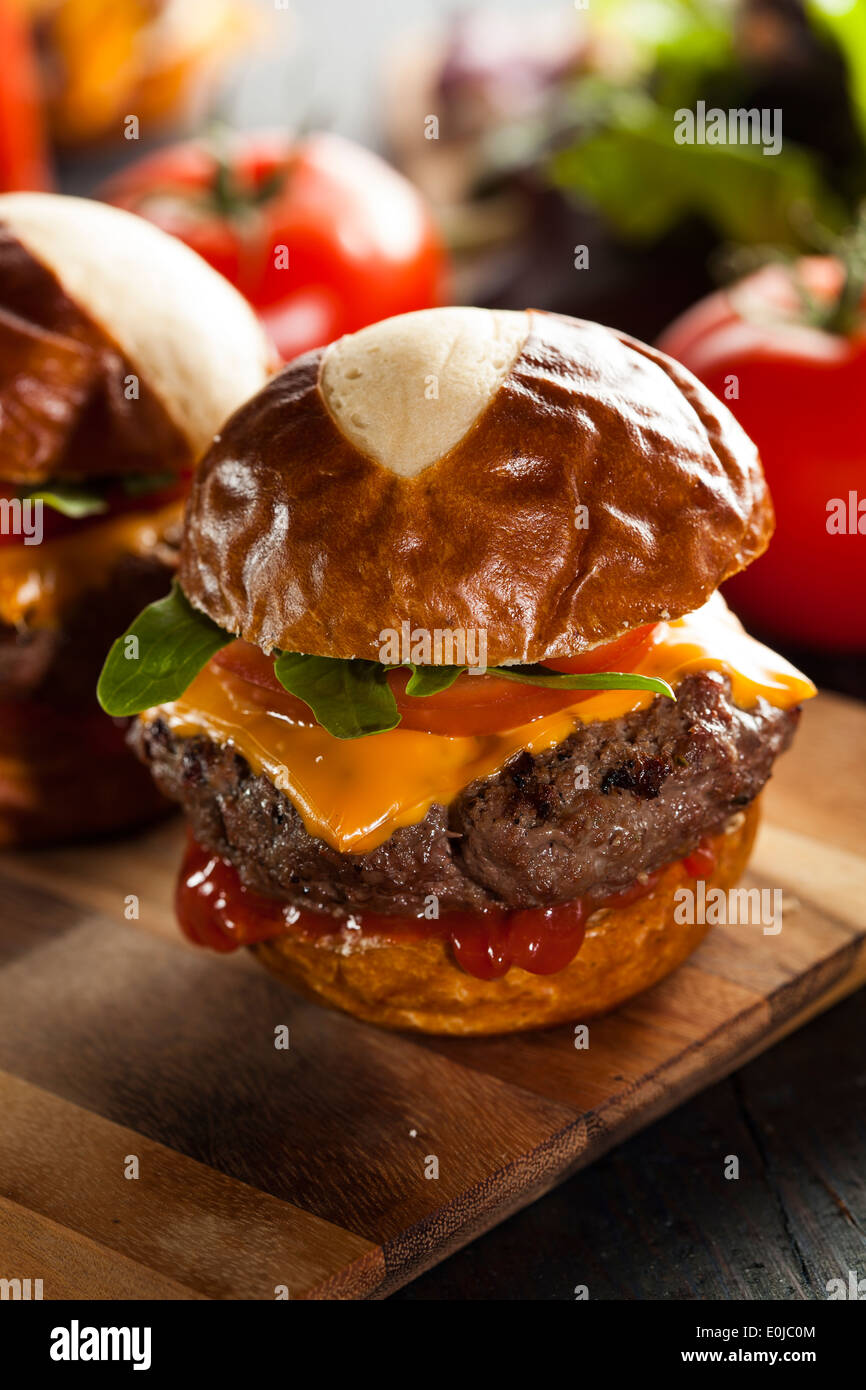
[{"x": 416, "y": 985}]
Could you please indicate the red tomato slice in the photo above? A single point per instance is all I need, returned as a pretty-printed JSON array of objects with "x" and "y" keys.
[
  {"x": 489, "y": 705},
  {"x": 473, "y": 705},
  {"x": 250, "y": 664},
  {"x": 477, "y": 705},
  {"x": 622, "y": 654}
]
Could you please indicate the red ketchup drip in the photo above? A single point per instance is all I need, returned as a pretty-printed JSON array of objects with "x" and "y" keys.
[
  {"x": 541, "y": 940},
  {"x": 701, "y": 862},
  {"x": 216, "y": 910}
]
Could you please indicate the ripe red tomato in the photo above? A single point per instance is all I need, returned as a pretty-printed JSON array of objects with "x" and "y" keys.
[
  {"x": 320, "y": 235},
  {"x": 800, "y": 392},
  {"x": 622, "y": 654}
]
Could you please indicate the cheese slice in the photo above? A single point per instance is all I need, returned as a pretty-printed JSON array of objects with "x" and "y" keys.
[
  {"x": 353, "y": 793},
  {"x": 38, "y": 583}
]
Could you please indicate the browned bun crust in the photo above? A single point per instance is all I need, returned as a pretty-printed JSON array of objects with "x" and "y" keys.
[
  {"x": 66, "y": 777},
  {"x": 139, "y": 349},
  {"x": 417, "y": 986},
  {"x": 295, "y": 539}
]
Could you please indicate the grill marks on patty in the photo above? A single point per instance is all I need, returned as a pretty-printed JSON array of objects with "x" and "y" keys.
[{"x": 615, "y": 799}]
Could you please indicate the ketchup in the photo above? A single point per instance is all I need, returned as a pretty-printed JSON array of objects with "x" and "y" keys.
[
  {"x": 702, "y": 861},
  {"x": 215, "y": 909}
]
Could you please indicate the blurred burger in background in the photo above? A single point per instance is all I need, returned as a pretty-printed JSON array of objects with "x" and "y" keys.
[
  {"x": 321, "y": 235},
  {"x": 121, "y": 352}
]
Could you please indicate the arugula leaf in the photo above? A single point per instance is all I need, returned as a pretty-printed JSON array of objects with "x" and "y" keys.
[
  {"x": 167, "y": 645},
  {"x": 594, "y": 680},
  {"x": 140, "y": 484},
  {"x": 158, "y": 656},
  {"x": 78, "y": 500},
  {"x": 350, "y": 699},
  {"x": 429, "y": 680},
  {"x": 70, "y": 499}
]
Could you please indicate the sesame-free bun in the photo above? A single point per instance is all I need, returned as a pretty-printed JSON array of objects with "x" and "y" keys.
[
  {"x": 416, "y": 985},
  {"x": 193, "y": 340},
  {"x": 383, "y": 386},
  {"x": 546, "y": 480}
]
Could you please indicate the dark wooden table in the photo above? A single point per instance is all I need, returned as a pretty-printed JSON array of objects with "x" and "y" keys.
[{"x": 657, "y": 1219}]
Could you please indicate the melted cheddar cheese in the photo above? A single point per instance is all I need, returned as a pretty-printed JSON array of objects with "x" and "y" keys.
[
  {"x": 38, "y": 583},
  {"x": 354, "y": 793}
]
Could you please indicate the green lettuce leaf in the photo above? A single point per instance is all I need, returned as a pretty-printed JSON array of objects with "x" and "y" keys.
[
  {"x": 350, "y": 699},
  {"x": 158, "y": 656},
  {"x": 70, "y": 499},
  {"x": 594, "y": 680},
  {"x": 77, "y": 500},
  {"x": 162, "y": 652},
  {"x": 429, "y": 680}
]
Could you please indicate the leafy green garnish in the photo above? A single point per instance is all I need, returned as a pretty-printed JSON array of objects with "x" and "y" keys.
[
  {"x": 78, "y": 500},
  {"x": 70, "y": 499},
  {"x": 141, "y": 484},
  {"x": 349, "y": 698},
  {"x": 352, "y": 699},
  {"x": 429, "y": 680},
  {"x": 163, "y": 651},
  {"x": 158, "y": 656},
  {"x": 594, "y": 680}
]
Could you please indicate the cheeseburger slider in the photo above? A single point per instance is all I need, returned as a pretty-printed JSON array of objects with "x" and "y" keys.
[
  {"x": 121, "y": 353},
  {"x": 444, "y": 685}
]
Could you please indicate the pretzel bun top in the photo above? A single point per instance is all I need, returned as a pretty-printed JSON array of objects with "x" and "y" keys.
[
  {"x": 546, "y": 480},
  {"x": 90, "y": 294}
]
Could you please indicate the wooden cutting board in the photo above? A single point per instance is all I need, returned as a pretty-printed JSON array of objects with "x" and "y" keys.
[{"x": 309, "y": 1168}]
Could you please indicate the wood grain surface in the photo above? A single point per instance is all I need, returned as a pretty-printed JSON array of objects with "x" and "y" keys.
[{"x": 306, "y": 1169}]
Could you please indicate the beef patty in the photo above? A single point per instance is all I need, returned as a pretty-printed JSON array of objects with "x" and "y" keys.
[{"x": 615, "y": 799}]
